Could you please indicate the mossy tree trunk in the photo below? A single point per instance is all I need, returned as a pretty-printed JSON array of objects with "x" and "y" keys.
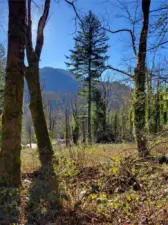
[
  {"x": 13, "y": 96},
  {"x": 67, "y": 133},
  {"x": 33, "y": 81},
  {"x": 116, "y": 127},
  {"x": 37, "y": 112},
  {"x": 140, "y": 80},
  {"x": 150, "y": 103},
  {"x": 84, "y": 131},
  {"x": 131, "y": 125},
  {"x": 157, "y": 115},
  {"x": 140, "y": 121},
  {"x": 75, "y": 106},
  {"x": 75, "y": 134}
]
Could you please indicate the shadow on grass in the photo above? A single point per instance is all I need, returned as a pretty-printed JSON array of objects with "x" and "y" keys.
[
  {"x": 79, "y": 217},
  {"x": 9, "y": 205},
  {"x": 42, "y": 206}
]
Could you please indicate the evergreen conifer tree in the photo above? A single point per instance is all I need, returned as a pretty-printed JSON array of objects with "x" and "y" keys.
[{"x": 87, "y": 59}]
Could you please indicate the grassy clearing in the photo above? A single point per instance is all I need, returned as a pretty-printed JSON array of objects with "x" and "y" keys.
[
  {"x": 105, "y": 184},
  {"x": 30, "y": 160}
]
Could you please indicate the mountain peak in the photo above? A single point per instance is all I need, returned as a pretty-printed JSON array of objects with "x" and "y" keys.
[{"x": 57, "y": 79}]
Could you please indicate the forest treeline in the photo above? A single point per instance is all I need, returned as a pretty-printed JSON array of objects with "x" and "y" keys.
[{"x": 88, "y": 117}]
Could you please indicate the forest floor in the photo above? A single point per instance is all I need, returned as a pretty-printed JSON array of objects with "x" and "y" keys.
[{"x": 105, "y": 184}]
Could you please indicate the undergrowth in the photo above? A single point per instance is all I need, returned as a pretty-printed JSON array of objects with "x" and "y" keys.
[{"x": 95, "y": 185}]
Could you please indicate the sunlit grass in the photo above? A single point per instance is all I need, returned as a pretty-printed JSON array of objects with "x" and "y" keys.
[
  {"x": 30, "y": 160},
  {"x": 102, "y": 184}
]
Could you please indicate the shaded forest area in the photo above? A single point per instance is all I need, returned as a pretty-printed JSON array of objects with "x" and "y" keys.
[{"x": 100, "y": 154}]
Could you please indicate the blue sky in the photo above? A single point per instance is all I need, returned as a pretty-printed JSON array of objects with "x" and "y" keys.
[{"x": 58, "y": 37}]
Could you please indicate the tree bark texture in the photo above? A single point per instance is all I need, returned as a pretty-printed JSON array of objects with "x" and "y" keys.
[
  {"x": 38, "y": 116},
  {"x": 10, "y": 162},
  {"x": 33, "y": 81},
  {"x": 140, "y": 79}
]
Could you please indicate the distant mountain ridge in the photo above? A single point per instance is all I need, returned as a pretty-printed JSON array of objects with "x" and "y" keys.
[{"x": 58, "y": 80}]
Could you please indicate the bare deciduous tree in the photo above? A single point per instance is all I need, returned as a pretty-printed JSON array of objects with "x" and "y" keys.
[
  {"x": 139, "y": 76},
  {"x": 33, "y": 81}
]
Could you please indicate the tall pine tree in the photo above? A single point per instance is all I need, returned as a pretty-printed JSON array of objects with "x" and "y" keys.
[{"x": 87, "y": 59}]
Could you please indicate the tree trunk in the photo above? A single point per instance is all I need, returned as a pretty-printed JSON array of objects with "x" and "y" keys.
[
  {"x": 149, "y": 102},
  {"x": 37, "y": 112},
  {"x": 89, "y": 112},
  {"x": 30, "y": 141},
  {"x": 30, "y": 137},
  {"x": 140, "y": 77},
  {"x": 75, "y": 134},
  {"x": 157, "y": 116},
  {"x": 67, "y": 127},
  {"x": 13, "y": 96},
  {"x": 104, "y": 119},
  {"x": 84, "y": 132},
  {"x": 33, "y": 81},
  {"x": 90, "y": 90},
  {"x": 140, "y": 111},
  {"x": 131, "y": 126}
]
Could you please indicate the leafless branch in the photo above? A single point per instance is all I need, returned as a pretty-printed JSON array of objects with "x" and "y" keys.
[
  {"x": 159, "y": 9},
  {"x": 72, "y": 4},
  {"x": 157, "y": 45},
  {"x": 40, "y": 30},
  {"x": 133, "y": 38},
  {"x": 35, "y": 4},
  {"x": 120, "y": 71}
]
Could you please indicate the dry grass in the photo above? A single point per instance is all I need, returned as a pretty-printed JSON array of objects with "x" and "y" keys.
[
  {"x": 105, "y": 184},
  {"x": 92, "y": 156},
  {"x": 30, "y": 160}
]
